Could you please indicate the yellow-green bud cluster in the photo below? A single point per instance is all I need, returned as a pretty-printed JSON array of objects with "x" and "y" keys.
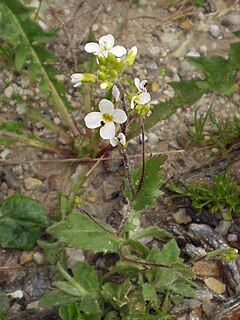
[
  {"x": 142, "y": 110},
  {"x": 110, "y": 67}
]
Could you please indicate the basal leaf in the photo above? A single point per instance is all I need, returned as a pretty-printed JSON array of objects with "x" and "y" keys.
[
  {"x": 55, "y": 298},
  {"x": 152, "y": 182},
  {"x": 23, "y": 220},
  {"x": 21, "y": 54},
  {"x": 168, "y": 255},
  {"x": 70, "y": 311},
  {"x": 149, "y": 293},
  {"x": 152, "y": 231},
  {"x": 80, "y": 231},
  {"x": 91, "y": 306},
  {"x": 86, "y": 276}
]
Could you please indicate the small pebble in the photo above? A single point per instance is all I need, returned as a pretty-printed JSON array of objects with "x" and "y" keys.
[
  {"x": 214, "y": 30},
  {"x": 181, "y": 217},
  {"x": 232, "y": 237},
  {"x": 32, "y": 184},
  {"x": 223, "y": 227},
  {"x": 216, "y": 285},
  {"x": 193, "y": 54},
  {"x": 26, "y": 257},
  {"x": 38, "y": 257}
]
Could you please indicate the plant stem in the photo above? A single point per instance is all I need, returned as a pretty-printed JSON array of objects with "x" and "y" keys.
[
  {"x": 128, "y": 173},
  {"x": 143, "y": 155}
]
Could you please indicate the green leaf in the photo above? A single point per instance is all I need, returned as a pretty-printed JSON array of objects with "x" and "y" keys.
[
  {"x": 18, "y": 28},
  {"x": 53, "y": 252},
  {"x": 237, "y": 33},
  {"x": 91, "y": 306},
  {"x": 23, "y": 220},
  {"x": 80, "y": 231},
  {"x": 149, "y": 293},
  {"x": 55, "y": 298},
  {"x": 21, "y": 54},
  {"x": 152, "y": 231},
  {"x": 86, "y": 276},
  {"x": 234, "y": 55},
  {"x": 168, "y": 255},
  {"x": 70, "y": 311},
  {"x": 117, "y": 294},
  {"x": 151, "y": 183}
]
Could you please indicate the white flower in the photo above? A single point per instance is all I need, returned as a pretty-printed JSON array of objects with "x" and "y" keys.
[
  {"x": 119, "y": 139},
  {"x": 76, "y": 79},
  {"x": 141, "y": 85},
  {"x": 116, "y": 93},
  {"x": 105, "y": 46},
  {"x": 105, "y": 119},
  {"x": 142, "y": 98}
]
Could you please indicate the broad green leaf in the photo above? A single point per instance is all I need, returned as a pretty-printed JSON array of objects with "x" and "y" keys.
[
  {"x": 80, "y": 231},
  {"x": 53, "y": 252},
  {"x": 183, "y": 289},
  {"x": 86, "y": 276},
  {"x": 117, "y": 294},
  {"x": 168, "y": 255},
  {"x": 23, "y": 220},
  {"x": 70, "y": 311},
  {"x": 21, "y": 54},
  {"x": 149, "y": 293},
  {"x": 91, "y": 306},
  {"x": 188, "y": 91},
  {"x": 112, "y": 315},
  {"x": 152, "y": 231},
  {"x": 152, "y": 182},
  {"x": 139, "y": 247},
  {"x": 126, "y": 269},
  {"x": 55, "y": 298}
]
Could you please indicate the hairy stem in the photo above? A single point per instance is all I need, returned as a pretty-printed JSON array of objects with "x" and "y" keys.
[
  {"x": 128, "y": 173},
  {"x": 143, "y": 155}
]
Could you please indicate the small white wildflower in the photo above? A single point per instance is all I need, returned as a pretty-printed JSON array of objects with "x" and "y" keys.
[
  {"x": 116, "y": 93},
  {"x": 119, "y": 139},
  {"x": 142, "y": 98},
  {"x": 105, "y": 46},
  {"x": 141, "y": 85},
  {"x": 105, "y": 119}
]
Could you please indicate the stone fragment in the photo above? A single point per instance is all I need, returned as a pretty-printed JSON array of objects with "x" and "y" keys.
[
  {"x": 182, "y": 217},
  {"x": 229, "y": 310},
  {"x": 223, "y": 227},
  {"x": 32, "y": 184},
  {"x": 214, "y": 30},
  {"x": 204, "y": 269},
  {"x": 73, "y": 256},
  {"x": 216, "y": 285},
  {"x": 26, "y": 257},
  {"x": 38, "y": 257}
]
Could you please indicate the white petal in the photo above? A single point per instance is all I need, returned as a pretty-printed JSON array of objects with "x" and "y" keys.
[
  {"x": 144, "y": 98},
  {"x": 76, "y": 79},
  {"x": 119, "y": 116},
  {"x": 143, "y": 85},
  {"x": 122, "y": 138},
  {"x": 108, "y": 131},
  {"x": 133, "y": 102},
  {"x": 114, "y": 141},
  {"x": 93, "y": 120},
  {"x": 92, "y": 47},
  {"x": 107, "y": 41},
  {"x": 137, "y": 83},
  {"x": 106, "y": 106},
  {"x": 118, "y": 51},
  {"x": 115, "y": 93}
]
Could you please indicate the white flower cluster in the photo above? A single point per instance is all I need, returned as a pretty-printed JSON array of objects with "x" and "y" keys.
[{"x": 108, "y": 116}]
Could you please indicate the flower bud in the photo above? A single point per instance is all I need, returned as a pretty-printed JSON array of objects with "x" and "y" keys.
[
  {"x": 102, "y": 76},
  {"x": 113, "y": 73},
  {"x": 88, "y": 77},
  {"x": 106, "y": 85},
  {"x": 102, "y": 60},
  {"x": 131, "y": 57}
]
